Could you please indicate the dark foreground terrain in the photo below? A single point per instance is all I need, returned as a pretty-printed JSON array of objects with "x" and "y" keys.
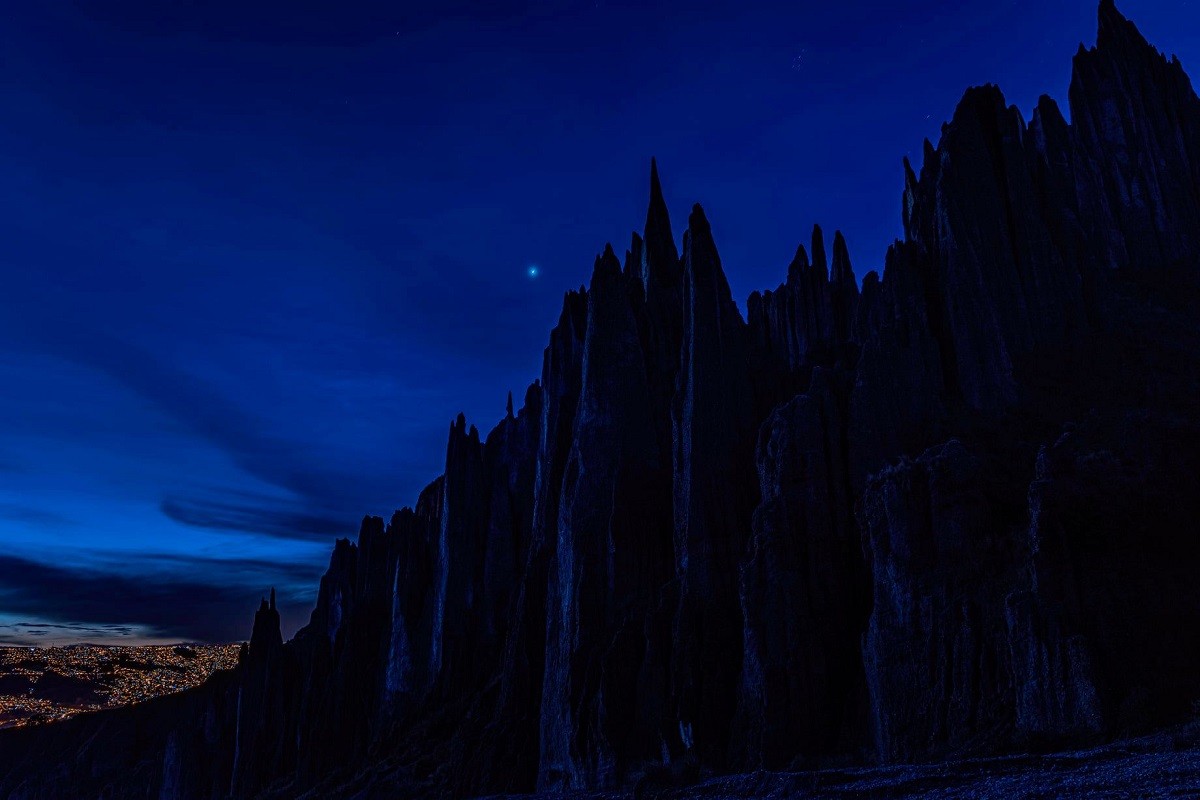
[
  {"x": 1160, "y": 766},
  {"x": 1154, "y": 767},
  {"x": 948, "y": 511}
]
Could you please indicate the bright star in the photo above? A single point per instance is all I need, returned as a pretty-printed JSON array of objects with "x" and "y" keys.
[{"x": 532, "y": 271}]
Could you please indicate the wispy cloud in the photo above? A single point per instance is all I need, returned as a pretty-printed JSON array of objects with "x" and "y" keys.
[
  {"x": 265, "y": 518},
  {"x": 51, "y": 633},
  {"x": 319, "y": 497},
  {"x": 32, "y": 516},
  {"x": 163, "y": 604}
]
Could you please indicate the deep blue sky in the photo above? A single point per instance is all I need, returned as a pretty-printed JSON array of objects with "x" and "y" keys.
[{"x": 255, "y": 260}]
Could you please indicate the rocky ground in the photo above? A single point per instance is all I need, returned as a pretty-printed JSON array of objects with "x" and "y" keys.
[{"x": 1163, "y": 765}]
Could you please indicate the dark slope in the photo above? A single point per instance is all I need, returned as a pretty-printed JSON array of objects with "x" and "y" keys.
[{"x": 951, "y": 514}]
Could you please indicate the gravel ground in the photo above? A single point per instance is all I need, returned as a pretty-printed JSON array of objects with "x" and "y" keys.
[{"x": 1158, "y": 766}]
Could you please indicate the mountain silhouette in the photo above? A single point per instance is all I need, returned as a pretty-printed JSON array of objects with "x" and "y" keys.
[{"x": 949, "y": 510}]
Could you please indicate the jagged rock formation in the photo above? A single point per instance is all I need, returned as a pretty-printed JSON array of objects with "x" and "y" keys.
[
  {"x": 949, "y": 512},
  {"x": 1136, "y": 137}
]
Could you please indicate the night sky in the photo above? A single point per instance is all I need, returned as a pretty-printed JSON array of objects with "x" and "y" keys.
[{"x": 255, "y": 260}]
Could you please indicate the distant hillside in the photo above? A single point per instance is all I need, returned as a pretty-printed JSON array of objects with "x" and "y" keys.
[{"x": 40, "y": 685}]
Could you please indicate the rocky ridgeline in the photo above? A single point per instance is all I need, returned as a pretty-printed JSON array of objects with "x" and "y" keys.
[{"x": 950, "y": 513}]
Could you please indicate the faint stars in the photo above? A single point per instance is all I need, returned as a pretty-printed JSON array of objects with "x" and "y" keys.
[{"x": 798, "y": 61}]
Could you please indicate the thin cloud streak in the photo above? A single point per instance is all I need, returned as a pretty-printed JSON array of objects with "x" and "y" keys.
[{"x": 162, "y": 605}]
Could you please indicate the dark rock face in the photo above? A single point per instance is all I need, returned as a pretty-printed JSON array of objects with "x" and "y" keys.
[
  {"x": 901, "y": 393},
  {"x": 412, "y": 537},
  {"x": 458, "y": 568},
  {"x": 949, "y": 512},
  {"x": 942, "y": 559},
  {"x": 1108, "y": 515},
  {"x": 1003, "y": 289},
  {"x": 1137, "y": 134},
  {"x": 714, "y": 495},
  {"x": 263, "y": 703},
  {"x": 801, "y": 587},
  {"x": 613, "y": 551}
]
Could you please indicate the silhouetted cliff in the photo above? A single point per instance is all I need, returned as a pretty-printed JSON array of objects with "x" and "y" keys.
[{"x": 951, "y": 511}]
